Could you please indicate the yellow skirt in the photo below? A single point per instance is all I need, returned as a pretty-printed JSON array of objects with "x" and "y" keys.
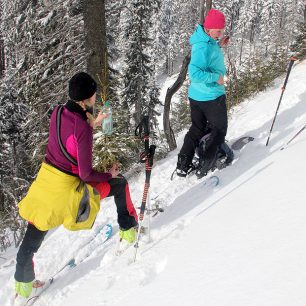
[{"x": 56, "y": 198}]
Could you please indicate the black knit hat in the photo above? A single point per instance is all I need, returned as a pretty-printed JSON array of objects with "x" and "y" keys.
[{"x": 82, "y": 86}]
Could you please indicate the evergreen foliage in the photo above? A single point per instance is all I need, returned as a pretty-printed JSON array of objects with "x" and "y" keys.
[
  {"x": 181, "y": 112},
  {"x": 137, "y": 70},
  {"x": 43, "y": 48},
  {"x": 257, "y": 76},
  {"x": 298, "y": 48},
  {"x": 139, "y": 94},
  {"x": 14, "y": 179}
]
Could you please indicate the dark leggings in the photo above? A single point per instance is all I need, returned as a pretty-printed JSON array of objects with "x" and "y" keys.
[
  {"x": 127, "y": 218},
  {"x": 30, "y": 245}
]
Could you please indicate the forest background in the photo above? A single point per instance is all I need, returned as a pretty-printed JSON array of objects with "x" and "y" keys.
[{"x": 131, "y": 48}]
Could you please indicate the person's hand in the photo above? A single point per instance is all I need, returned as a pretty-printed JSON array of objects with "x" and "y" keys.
[
  {"x": 114, "y": 170},
  {"x": 221, "y": 80},
  {"x": 97, "y": 122},
  {"x": 224, "y": 41},
  {"x": 101, "y": 116}
]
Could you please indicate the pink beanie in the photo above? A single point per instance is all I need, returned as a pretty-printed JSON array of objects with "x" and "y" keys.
[{"x": 214, "y": 20}]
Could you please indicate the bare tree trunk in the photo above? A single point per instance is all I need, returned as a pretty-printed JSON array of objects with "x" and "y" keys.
[
  {"x": 202, "y": 11},
  {"x": 235, "y": 78},
  {"x": 205, "y": 9},
  {"x": 95, "y": 37},
  {"x": 2, "y": 59},
  {"x": 241, "y": 49},
  {"x": 170, "y": 92},
  {"x": 177, "y": 85},
  {"x": 138, "y": 108}
]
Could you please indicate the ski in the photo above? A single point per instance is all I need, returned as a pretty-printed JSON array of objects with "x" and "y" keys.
[
  {"x": 241, "y": 142},
  {"x": 212, "y": 181},
  {"x": 104, "y": 232},
  {"x": 38, "y": 292}
]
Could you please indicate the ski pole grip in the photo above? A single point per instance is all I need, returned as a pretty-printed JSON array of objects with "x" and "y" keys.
[
  {"x": 152, "y": 152},
  {"x": 146, "y": 126},
  {"x": 292, "y": 60},
  {"x": 143, "y": 124}
]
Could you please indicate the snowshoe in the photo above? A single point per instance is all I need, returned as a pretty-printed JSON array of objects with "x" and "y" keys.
[
  {"x": 206, "y": 165},
  {"x": 223, "y": 158}
]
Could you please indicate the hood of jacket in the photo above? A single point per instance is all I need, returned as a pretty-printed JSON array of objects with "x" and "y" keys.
[{"x": 200, "y": 36}]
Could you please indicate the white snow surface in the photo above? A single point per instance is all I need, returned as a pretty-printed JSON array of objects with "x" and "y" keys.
[{"x": 240, "y": 243}]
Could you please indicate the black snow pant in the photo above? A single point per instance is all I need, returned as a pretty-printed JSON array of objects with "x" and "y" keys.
[
  {"x": 127, "y": 218},
  {"x": 212, "y": 114}
]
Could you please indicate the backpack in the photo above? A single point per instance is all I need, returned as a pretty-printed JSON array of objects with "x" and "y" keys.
[{"x": 224, "y": 157}]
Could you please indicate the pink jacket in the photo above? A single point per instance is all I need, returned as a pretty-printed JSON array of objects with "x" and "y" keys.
[{"x": 77, "y": 137}]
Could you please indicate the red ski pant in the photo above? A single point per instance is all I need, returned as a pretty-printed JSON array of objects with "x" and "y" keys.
[{"x": 119, "y": 189}]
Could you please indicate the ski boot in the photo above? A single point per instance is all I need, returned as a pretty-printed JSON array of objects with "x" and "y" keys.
[
  {"x": 206, "y": 165},
  {"x": 128, "y": 235},
  {"x": 184, "y": 165},
  {"x": 24, "y": 291}
]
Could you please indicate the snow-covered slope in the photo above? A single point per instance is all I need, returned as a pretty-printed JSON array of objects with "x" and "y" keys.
[{"x": 240, "y": 243}]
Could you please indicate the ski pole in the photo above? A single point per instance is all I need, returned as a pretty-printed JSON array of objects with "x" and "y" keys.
[
  {"x": 298, "y": 133},
  {"x": 147, "y": 157},
  {"x": 149, "y": 216},
  {"x": 292, "y": 59}
]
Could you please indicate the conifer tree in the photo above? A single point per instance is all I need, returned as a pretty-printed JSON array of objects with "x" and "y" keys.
[
  {"x": 138, "y": 70},
  {"x": 42, "y": 50},
  {"x": 298, "y": 48},
  {"x": 14, "y": 162}
]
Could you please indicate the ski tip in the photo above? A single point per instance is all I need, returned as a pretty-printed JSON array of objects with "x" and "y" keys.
[
  {"x": 214, "y": 180},
  {"x": 172, "y": 175},
  {"x": 108, "y": 229},
  {"x": 241, "y": 142},
  {"x": 71, "y": 263}
]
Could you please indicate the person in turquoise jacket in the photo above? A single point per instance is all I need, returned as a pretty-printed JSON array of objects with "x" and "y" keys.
[{"x": 206, "y": 94}]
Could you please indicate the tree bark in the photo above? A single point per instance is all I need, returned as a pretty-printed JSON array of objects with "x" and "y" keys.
[
  {"x": 205, "y": 10},
  {"x": 95, "y": 38},
  {"x": 2, "y": 58},
  {"x": 241, "y": 49},
  {"x": 178, "y": 83},
  {"x": 170, "y": 92}
]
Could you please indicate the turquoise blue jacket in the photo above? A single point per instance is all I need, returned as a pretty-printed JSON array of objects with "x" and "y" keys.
[{"x": 206, "y": 65}]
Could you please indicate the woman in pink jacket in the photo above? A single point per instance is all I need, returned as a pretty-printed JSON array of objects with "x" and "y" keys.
[{"x": 76, "y": 134}]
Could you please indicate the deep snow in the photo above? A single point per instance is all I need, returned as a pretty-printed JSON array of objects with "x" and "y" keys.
[{"x": 240, "y": 243}]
